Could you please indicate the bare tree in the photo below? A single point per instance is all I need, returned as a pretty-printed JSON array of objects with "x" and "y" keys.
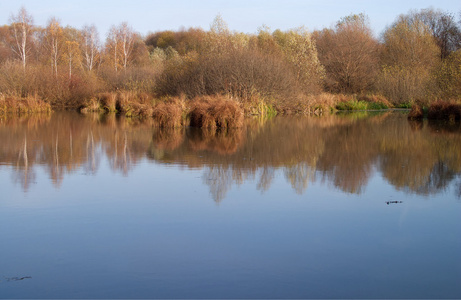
[
  {"x": 120, "y": 43},
  {"x": 409, "y": 56},
  {"x": 349, "y": 53},
  {"x": 127, "y": 41},
  {"x": 112, "y": 45},
  {"x": 54, "y": 41},
  {"x": 90, "y": 46},
  {"x": 443, "y": 28},
  {"x": 22, "y": 26},
  {"x": 72, "y": 53}
]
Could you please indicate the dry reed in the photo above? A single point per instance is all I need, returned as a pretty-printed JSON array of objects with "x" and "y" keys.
[
  {"x": 416, "y": 113},
  {"x": 169, "y": 114},
  {"x": 215, "y": 112},
  {"x": 133, "y": 104},
  {"x": 92, "y": 105},
  {"x": 108, "y": 101},
  {"x": 444, "y": 110},
  {"x": 23, "y": 105},
  {"x": 377, "y": 99}
]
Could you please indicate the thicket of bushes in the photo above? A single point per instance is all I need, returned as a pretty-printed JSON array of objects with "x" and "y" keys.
[{"x": 417, "y": 60}]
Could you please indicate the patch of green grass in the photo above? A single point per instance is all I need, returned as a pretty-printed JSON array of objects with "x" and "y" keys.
[
  {"x": 360, "y": 105},
  {"x": 404, "y": 105},
  {"x": 266, "y": 109},
  {"x": 352, "y": 105}
]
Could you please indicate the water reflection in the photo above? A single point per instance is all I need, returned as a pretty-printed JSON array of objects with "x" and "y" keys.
[{"x": 342, "y": 151}]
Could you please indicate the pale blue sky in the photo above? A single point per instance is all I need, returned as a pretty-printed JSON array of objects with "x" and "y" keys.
[{"x": 242, "y": 15}]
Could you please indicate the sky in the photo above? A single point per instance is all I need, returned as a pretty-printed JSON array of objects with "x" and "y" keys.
[{"x": 146, "y": 16}]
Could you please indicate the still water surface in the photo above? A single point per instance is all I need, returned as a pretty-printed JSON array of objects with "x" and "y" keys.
[{"x": 351, "y": 206}]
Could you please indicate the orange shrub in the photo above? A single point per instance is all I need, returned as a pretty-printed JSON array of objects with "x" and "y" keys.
[
  {"x": 168, "y": 114},
  {"x": 215, "y": 112},
  {"x": 444, "y": 110}
]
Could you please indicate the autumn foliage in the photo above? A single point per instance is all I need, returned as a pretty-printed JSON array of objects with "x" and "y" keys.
[
  {"x": 169, "y": 114},
  {"x": 444, "y": 110},
  {"x": 215, "y": 112},
  {"x": 416, "y": 61}
]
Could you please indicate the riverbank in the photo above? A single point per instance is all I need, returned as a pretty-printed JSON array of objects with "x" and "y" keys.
[
  {"x": 18, "y": 105},
  {"x": 439, "y": 110},
  {"x": 224, "y": 111},
  {"x": 220, "y": 111}
]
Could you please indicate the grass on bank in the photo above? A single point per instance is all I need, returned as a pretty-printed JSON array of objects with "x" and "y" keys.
[
  {"x": 220, "y": 111},
  {"x": 438, "y": 110},
  {"x": 362, "y": 102},
  {"x": 215, "y": 112},
  {"x": 206, "y": 111},
  {"x": 18, "y": 105}
]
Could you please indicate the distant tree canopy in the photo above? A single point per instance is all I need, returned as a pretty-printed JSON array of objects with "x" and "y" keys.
[
  {"x": 236, "y": 64},
  {"x": 350, "y": 54},
  {"x": 442, "y": 26},
  {"x": 409, "y": 57},
  {"x": 416, "y": 59},
  {"x": 182, "y": 41}
]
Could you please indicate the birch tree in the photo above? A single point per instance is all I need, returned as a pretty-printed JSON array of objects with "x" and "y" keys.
[
  {"x": 71, "y": 51},
  {"x": 112, "y": 46},
  {"x": 21, "y": 27},
  {"x": 127, "y": 42},
  {"x": 54, "y": 42},
  {"x": 120, "y": 44},
  {"x": 301, "y": 53},
  {"x": 90, "y": 46}
]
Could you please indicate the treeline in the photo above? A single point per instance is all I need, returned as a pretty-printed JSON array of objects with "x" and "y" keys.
[{"x": 416, "y": 60}]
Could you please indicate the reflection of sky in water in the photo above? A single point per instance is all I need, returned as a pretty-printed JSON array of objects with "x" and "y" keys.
[{"x": 158, "y": 232}]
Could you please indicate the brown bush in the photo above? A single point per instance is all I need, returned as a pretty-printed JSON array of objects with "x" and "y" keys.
[
  {"x": 200, "y": 113},
  {"x": 444, "y": 110},
  {"x": 138, "y": 110},
  {"x": 108, "y": 101},
  {"x": 134, "y": 78},
  {"x": 23, "y": 105},
  {"x": 103, "y": 102},
  {"x": 349, "y": 53},
  {"x": 132, "y": 104},
  {"x": 215, "y": 112},
  {"x": 416, "y": 113},
  {"x": 318, "y": 104},
  {"x": 243, "y": 74},
  {"x": 182, "y": 41},
  {"x": 409, "y": 55},
  {"x": 91, "y": 105},
  {"x": 168, "y": 114}
]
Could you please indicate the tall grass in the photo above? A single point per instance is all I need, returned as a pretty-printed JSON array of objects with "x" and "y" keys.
[
  {"x": 215, "y": 112},
  {"x": 169, "y": 113},
  {"x": 128, "y": 103},
  {"x": 10, "y": 105},
  {"x": 362, "y": 102}
]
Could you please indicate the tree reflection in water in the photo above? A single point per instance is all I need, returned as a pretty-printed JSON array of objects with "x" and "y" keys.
[{"x": 344, "y": 151}]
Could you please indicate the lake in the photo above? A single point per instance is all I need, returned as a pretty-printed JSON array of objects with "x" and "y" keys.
[{"x": 364, "y": 205}]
